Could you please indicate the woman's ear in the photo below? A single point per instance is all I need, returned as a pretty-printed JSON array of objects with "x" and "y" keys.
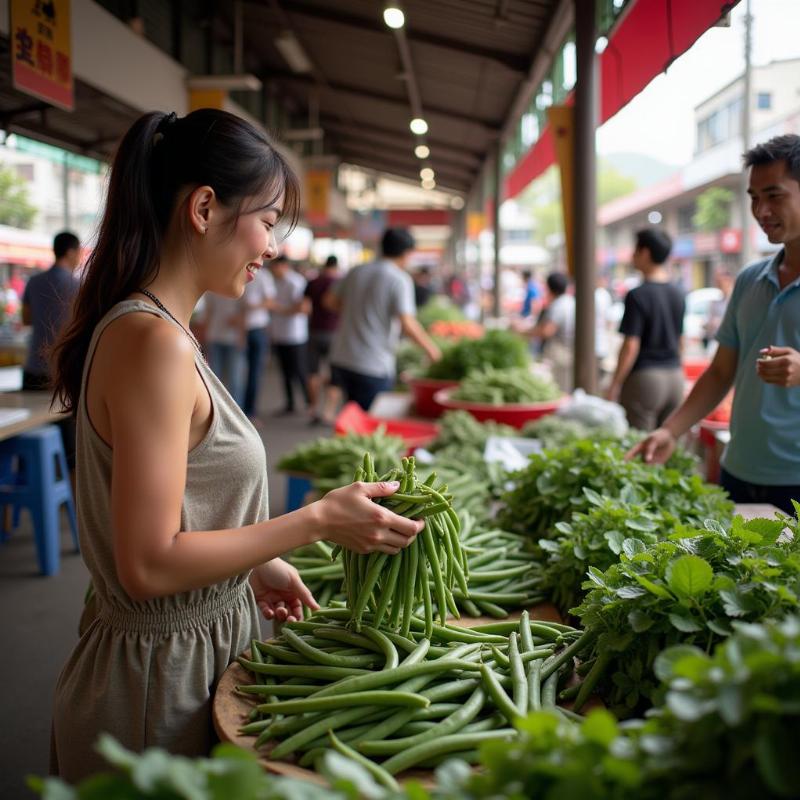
[{"x": 202, "y": 206}]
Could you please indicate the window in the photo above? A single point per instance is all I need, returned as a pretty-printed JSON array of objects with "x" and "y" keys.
[{"x": 764, "y": 101}]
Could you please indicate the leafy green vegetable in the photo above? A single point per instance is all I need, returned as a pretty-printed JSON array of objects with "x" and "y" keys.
[
  {"x": 439, "y": 309},
  {"x": 688, "y": 589},
  {"x": 495, "y": 349}
]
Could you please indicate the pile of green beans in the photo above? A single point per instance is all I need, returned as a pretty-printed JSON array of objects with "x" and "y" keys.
[
  {"x": 393, "y": 586},
  {"x": 409, "y": 700},
  {"x": 500, "y": 386},
  {"x": 330, "y": 461}
]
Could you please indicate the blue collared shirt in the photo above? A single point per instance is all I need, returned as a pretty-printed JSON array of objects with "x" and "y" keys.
[{"x": 765, "y": 420}]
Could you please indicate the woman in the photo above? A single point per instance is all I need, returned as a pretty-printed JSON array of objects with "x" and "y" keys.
[{"x": 172, "y": 484}]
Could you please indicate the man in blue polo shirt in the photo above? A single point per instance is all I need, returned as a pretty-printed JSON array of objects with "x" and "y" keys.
[{"x": 759, "y": 348}]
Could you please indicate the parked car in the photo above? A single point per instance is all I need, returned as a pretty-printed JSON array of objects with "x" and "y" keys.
[{"x": 698, "y": 308}]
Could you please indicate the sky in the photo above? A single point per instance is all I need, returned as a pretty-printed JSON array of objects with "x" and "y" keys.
[{"x": 714, "y": 60}]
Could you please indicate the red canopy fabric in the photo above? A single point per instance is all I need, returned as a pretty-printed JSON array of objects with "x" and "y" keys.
[{"x": 650, "y": 37}]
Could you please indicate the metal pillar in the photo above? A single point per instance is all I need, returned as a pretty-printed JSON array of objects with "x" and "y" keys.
[
  {"x": 585, "y": 203},
  {"x": 65, "y": 190},
  {"x": 747, "y": 106},
  {"x": 498, "y": 187}
]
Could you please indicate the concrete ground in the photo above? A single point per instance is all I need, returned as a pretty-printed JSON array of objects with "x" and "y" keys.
[{"x": 40, "y": 614}]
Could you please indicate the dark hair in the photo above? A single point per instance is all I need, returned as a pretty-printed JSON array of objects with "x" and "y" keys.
[
  {"x": 557, "y": 283},
  {"x": 656, "y": 241},
  {"x": 64, "y": 242},
  {"x": 779, "y": 148},
  {"x": 159, "y": 157},
  {"x": 396, "y": 242},
  {"x": 331, "y": 261},
  {"x": 527, "y": 274},
  {"x": 281, "y": 259}
]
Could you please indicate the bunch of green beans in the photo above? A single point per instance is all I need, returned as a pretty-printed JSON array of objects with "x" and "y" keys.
[
  {"x": 393, "y": 586},
  {"x": 500, "y": 386},
  {"x": 406, "y": 700},
  {"x": 500, "y": 571}
]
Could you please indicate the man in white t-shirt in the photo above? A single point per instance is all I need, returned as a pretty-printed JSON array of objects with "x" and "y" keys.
[
  {"x": 259, "y": 296},
  {"x": 289, "y": 329},
  {"x": 224, "y": 335}
]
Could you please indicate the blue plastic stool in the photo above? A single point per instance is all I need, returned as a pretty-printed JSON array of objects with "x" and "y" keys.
[
  {"x": 297, "y": 488},
  {"x": 30, "y": 459}
]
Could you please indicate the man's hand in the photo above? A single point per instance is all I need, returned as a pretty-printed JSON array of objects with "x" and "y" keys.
[
  {"x": 779, "y": 366},
  {"x": 656, "y": 448}
]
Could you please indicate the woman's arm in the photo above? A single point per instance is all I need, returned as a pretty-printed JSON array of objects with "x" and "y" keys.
[{"x": 150, "y": 400}]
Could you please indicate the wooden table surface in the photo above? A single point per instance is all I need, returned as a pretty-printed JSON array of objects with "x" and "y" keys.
[{"x": 34, "y": 405}]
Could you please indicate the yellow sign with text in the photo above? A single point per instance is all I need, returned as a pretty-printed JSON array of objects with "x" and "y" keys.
[
  {"x": 562, "y": 122},
  {"x": 41, "y": 50},
  {"x": 318, "y": 196},
  {"x": 476, "y": 222}
]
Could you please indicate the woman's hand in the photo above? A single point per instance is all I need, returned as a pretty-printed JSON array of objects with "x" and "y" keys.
[
  {"x": 656, "y": 448},
  {"x": 348, "y": 517},
  {"x": 280, "y": 592}
]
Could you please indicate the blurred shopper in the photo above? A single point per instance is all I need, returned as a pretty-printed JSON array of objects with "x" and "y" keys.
[
  {"x": 322, "y": 324},
  {"x": 47, "y": 307},
  {"x": 376, "y": 302},
  {"x": 289, "y": 330},
  {"x": 225, "y": 341},
  {"x": 555, "y": 329},
  {"x": 759, "y": 348},
  {"x": 259, "y": 297},
  {"x": 723, "y": 280},
  {"x": 423, "y": 289},
  {"x": 531, "y": 302},
  {"x": 648, "y": 381},
  {"x": 172, "y": 478}
]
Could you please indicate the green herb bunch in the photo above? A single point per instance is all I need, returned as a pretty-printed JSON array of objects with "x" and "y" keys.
[
  {"x": 557, "y": 483},
  {"x": 459, "y": 429},
  {"x": 688, "y": 589},
  {"x": 498, "y": 386},
  {"x": 494, "y": 349}
]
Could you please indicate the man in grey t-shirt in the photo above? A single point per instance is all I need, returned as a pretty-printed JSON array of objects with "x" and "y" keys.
[{"x": 376, "y": 303}]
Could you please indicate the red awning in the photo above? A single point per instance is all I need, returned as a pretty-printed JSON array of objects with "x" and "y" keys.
[{"x": 650, "y": 37}]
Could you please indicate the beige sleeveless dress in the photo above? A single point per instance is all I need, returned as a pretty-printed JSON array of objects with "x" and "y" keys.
[{"x": 146, "y": 672}]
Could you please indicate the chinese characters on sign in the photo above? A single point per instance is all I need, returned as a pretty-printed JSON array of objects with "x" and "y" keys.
[{"x": 41, "y": 34}]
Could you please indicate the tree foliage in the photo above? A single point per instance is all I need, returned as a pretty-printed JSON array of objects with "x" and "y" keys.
[
  {"x": 16, "y": 208},
  {"x": 713, "y": 209}
]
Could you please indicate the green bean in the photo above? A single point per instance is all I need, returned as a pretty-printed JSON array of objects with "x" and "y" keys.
[
  {"x": 283, "y": 654},
  {"x": 401, "y": 641},
  {"x": 391, "y": 659},
  {"x": 301, "y": 671},
  {"x": 321, "y": 657},
  {"x": 312, "y": 730},
  {"x": 495, "y": 690},
  {"x": 345, "y": 637},
  {"x": 383, "y": 777},
  {"x": 455, "y": 722},
  {"x": 519, "y": 680},
  {"x": 316, "y": 703},
  {"x": 410, "y": 585},
  {"x": 535, "y": 686},
  {"x": 447, "y": 744},
  {"x": 492, "y": 609},
  {"x": 590, "y": 681},
  {"x": 387, "y": 590},
  {"x": 525, "y": 635},
  {"x": 386, "y": 677},
  {"x": 422, "y": 582},
  {"x": 280, "y": 690},
  {"x": 586, "y": 639},
  {"x": 549, "y": 691},
  {"x": 255, "y": 727}
]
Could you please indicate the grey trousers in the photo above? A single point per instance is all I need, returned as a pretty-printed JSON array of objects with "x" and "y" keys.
[{"x": 650, "y": 395}]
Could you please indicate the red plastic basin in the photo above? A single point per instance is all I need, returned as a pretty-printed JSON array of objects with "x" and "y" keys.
[
  {"x": 693, "y": 368},
  {"x": 424, "y": 390},
  {"x": 353, "y": 419},
  {"x": 514, "y": 414}
]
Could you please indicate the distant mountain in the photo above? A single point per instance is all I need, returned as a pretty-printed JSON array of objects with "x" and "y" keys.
[{"x": 645, "y": 170}]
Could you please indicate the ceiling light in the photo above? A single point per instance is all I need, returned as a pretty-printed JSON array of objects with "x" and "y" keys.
[
  {"x": 429, "y": 183},
  {"x": 292, "y": 52},
  {"x": 457, "y": 203},
  {"x": 600, "y": 45},
  {"x": 422, "y": 151},
  {"x": 418, "y": 126},
  {"x": 426, "y": 173},
  {"x": 394, "y": 17}
]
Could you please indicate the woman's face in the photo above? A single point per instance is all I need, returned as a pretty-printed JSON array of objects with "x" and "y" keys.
[{"x": 232, "y": 258}]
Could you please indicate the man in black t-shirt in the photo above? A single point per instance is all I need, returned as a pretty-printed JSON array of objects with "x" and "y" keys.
[{"x": 648, "y": 381}]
